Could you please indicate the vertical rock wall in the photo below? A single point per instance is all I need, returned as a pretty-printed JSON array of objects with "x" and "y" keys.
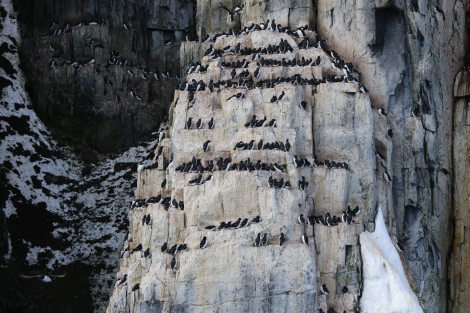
[
  {"x": 408, "y": 54},
  {"x": 231, "y": 274},
  {"x": 97, "y": 69},
  {"x": 459, "y": 276}
]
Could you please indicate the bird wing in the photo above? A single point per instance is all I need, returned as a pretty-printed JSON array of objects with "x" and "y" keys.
[{"x": 30, "y": 276}]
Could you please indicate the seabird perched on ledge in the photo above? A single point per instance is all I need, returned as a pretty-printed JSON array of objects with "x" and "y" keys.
[
  {"x": 203, "y": 243},
  {"x": 324, "y": 290}
]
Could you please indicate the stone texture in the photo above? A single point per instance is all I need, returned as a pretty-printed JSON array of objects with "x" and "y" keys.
[
  {"x": 82, "y": 103},
  {"x": 400, "y": 50},
  {"x": 231, "y": 274},
  {"x": 460, "y": 279}
]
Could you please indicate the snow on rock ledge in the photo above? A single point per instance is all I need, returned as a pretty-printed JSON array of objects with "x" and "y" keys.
[{"x": 386, "y": 288}]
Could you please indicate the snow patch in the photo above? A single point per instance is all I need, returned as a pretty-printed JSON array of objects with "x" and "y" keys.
[{"x": 386, "y": 288}]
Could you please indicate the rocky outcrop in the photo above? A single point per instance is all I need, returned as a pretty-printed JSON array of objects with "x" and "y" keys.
[{"x": 231, "y": 274}]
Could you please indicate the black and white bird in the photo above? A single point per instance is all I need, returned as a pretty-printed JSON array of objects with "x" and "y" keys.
[
  {"x": 282, "y": 96},
  {"x": 203, "y": 243},
  {"x": 303, "y": 183},
  {"x": 305, "y": 239},
  {"x": 382, "y": 112},
  {"x": 287, "y": 145},
  {"x": 147, "y": 253},
  {"x": 264, "y": 241},
  {"x": 232, "y": 13},
  {"x": 324, "y": 290},
  {"x": 387, "y": 177},
  {"x": 303, "y": 105},
  {"x": 163, "y": 184},
  {"x": 211, "y": 123},
  {"x": 199, "y": 124},
  {"x": 164, "y": 247},
  {"x": 138, "y": 248},
  {"x": 189, "y": 123},
  {"x": 390, "y": 133},
  {"x": 301, "y": 219},
  {"x": 205, "y": 146},
  {"x": 281, "y": 239},
  {"x": 257, "y": 73},
  {"x": 258, "y": 240},
  {"x": 344, "y": 290}
]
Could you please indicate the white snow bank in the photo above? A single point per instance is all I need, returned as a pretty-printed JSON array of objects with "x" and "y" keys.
[{"x": 386, "y": 288}]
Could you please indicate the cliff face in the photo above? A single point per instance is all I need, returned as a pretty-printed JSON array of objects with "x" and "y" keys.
[
  {"x": 408, "y": 56},
  {"x": 99, "y": 68},
  {"x": 105, "y": 75},
  {"x": 408, "y": 53}
]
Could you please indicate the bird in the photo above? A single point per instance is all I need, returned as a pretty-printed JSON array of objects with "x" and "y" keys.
[
  {"x": 415, "y": 112},
  {"x": 164, "y": 247},
  {"x": 287, "y": 145},
  {"x": 282, "y": 96},
  {"x": 257, "y": 219},
  {"x": 303, "y": 105},
  {"x": 363, "y": 89},
  {"x": 273, "y": 99},
  {"x": 305, "y": 239},
  {"x": 173, "y": 263},
  {"x": 211, "y": 123},
  {"x": 44, "y": 278},
  {"x": 205, "y": 146},
  {"x": 380, "y": 156},
  {"x": 138, "y": 248},
  {"x": 281, "y": 239},
  {"x": 189, "y": 123},
  {"x": 264, "y": 241},
  {"x": 136, "y": 287},
  {"x": 258, "y": 240},
  {"x": 203, "y": 243},
  {"x": 147, "y": 253},
  {"x": 232, "y": 13},
  {"x": 199, "y": 124},
  {"x": 324, "y": 290},
  {"x": 390, "y": 133},
  {"x": 163, "y": 183},
  {"x": 382, "y": 112},
  {"x": 387, "y": 177},
  {"x": 344, "y": 289}
]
